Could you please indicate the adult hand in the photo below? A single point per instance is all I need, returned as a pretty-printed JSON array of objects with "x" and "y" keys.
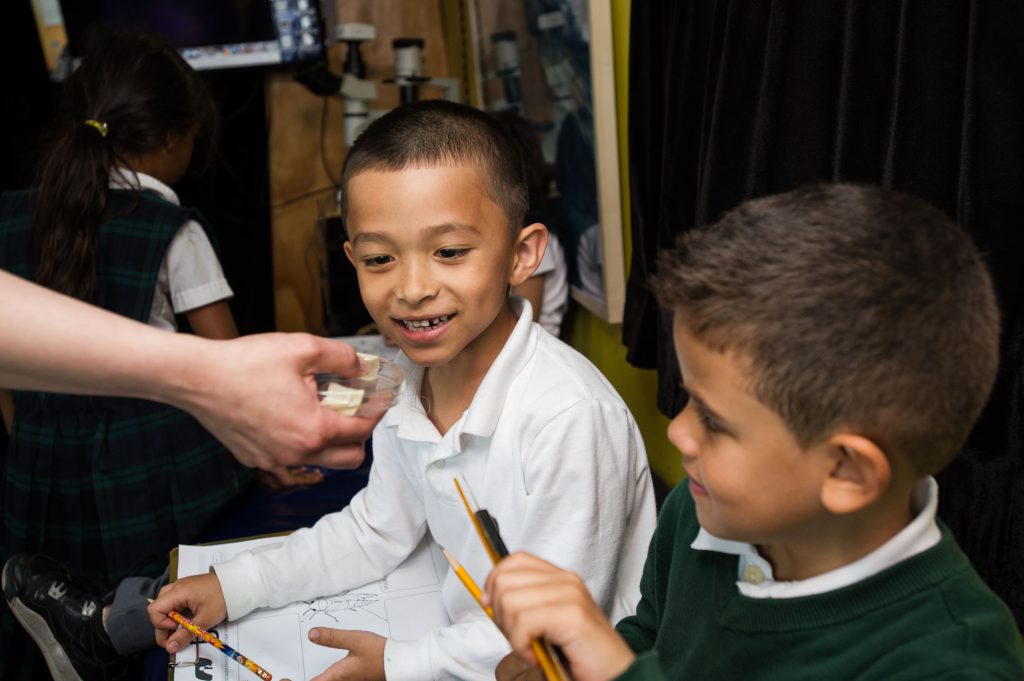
[
  {"x": 533, "y": 599},
  {"x": 257, "y": 395},
  {"x": 365, "y": 659},
  {"x": 199, "y": 598},
  {"x": 286, "y": 477}
]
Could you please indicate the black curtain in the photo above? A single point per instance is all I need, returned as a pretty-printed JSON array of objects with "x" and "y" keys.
[{"x": 731, "y": 99}]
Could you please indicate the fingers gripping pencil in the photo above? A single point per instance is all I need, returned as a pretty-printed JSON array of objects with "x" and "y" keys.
[
  {"x": 547, "y": 655},
  {"x": 206, "y": 636}
]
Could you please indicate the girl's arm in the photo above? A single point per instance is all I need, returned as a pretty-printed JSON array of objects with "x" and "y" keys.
[{"x": 213, "y": 321}]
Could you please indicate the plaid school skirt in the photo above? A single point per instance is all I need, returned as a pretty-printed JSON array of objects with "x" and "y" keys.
[{"x": 108, "y": 486}]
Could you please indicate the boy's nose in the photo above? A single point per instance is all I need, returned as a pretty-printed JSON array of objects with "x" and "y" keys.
[
  {"x": 416, "y": 284},
  {"x": 679, "y": 434}
]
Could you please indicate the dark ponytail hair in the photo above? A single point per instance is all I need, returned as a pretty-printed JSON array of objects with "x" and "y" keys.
[{"x": 142, "y": 90}]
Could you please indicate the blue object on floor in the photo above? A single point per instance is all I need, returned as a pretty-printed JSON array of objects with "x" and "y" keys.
[{"x": 264, "y": 511}]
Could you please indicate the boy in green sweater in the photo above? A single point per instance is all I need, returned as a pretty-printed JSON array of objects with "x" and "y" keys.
[{"x": 837, "y": 344}]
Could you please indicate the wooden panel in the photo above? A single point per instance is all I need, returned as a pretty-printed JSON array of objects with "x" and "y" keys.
[
  {"x": 297, "y": 181},
  {"x": 299, "y": 177},
  {"x": 606, "y": 137}
]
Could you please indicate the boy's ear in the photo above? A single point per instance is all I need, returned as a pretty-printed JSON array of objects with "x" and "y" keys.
[
  {"x": 348, "y": 252},
  {"x": 528, "y": 251},
  {"x": 859, "y": 474}
]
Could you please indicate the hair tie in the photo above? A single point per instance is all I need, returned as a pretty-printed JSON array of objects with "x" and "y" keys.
[{"x": 101, "y": 127}]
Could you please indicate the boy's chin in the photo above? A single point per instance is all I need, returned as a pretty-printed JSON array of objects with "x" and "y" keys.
[
  {"x": 425, "y": 357},
  {"x": 716, "y": 527}
]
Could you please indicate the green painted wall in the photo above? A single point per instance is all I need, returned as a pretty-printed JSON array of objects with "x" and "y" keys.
[{"x": 602, "y": 342}]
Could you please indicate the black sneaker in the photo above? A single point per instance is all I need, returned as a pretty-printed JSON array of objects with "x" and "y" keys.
[{"x": 64, "y": 615}]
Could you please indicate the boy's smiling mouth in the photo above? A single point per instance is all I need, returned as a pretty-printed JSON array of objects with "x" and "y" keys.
[
  {"x": 696, "y": 488},
  {"x": 424, "y": 329},
  {"x": 425, "y": 324}
]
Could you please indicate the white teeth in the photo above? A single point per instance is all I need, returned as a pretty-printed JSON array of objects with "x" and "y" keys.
[{"x": 425, "y": 323}]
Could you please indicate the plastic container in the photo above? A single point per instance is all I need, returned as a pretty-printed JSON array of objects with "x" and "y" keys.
[{"x": 362, "y": 395}]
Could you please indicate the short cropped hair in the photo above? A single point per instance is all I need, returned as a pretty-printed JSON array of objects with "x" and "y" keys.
[
  {"x": 441, "y": 133},
  {"x": 858, "y": 308}
]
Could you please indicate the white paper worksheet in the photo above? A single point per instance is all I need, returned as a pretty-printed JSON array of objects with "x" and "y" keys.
[{"x": 404, "y": 605}]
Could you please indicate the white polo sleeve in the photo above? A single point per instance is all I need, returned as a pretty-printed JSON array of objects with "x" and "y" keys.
[
  {"x": 194, "y": 274},
  {"x": 364, "y": 541}
]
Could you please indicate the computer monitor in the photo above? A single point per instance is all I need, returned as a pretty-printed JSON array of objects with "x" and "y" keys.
[{"x": 210, "y": 34}]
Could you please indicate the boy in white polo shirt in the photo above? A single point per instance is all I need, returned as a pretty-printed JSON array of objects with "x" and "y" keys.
[{"x": 434, "y": 195}]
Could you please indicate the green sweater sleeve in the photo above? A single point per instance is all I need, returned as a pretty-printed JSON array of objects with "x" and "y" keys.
[{"x": 644, "y": 668}]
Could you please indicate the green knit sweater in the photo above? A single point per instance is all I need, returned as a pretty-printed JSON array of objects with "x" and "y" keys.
[{"x": 927, "y": 617}]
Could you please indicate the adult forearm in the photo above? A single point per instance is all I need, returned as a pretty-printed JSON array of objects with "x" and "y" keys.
[
  {"x": 255, "y": 394},
  {"x": 53, "y": 342}
]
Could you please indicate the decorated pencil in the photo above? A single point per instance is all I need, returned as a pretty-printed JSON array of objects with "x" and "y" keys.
[{"x": 206, "y": 636}]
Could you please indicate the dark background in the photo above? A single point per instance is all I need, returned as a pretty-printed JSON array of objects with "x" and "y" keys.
[
  {"x": 185, "y": 23},
  {"x": 232, "y": 193},
  {"x": 732, "y": 99}
]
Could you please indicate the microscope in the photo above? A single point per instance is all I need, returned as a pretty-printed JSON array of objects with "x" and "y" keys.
[
  {"x": 506, "y": 57},
  {"x": 355, "y": 90},
  {"x": 409, "y": 72}
]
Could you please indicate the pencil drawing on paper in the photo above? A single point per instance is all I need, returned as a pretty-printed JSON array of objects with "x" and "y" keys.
[
  {"x": 408, "y": 608},
  {"x": 350, "y": 600}
]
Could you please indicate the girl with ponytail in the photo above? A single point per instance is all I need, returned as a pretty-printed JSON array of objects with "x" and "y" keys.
[
  {"x": 131, "y": 114},
  {"x": 109, "y": 485}
]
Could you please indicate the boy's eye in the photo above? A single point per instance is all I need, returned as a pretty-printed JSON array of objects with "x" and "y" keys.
[
  {"x": 708, "y": 421},
  {"x": 377, "y": 260},
  {"x": 451, "y": 253}
]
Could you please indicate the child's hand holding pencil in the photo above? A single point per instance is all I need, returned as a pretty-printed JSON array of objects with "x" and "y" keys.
[
  {"x": 487, "y": 529},
  {"x": 532, "y": 599},
  {"x": 198, "y": 632},
  {"x": 199, "y": 595}
]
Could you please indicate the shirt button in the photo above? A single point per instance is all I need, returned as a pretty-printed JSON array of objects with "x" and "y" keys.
[
  {"x": 753, "y": 574},
  {"x": 439, "y": 463}
]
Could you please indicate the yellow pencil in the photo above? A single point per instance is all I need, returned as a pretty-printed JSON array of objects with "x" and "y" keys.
[
  {"x": 553, "y": 669},
  {"x": 476, "y": 524},
  {"x": 544, "y": 655},
  {"x": 467, "y": 581}
]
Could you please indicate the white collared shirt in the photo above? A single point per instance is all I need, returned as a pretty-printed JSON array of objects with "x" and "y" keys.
[
  {"x": 754, "y": 573},
  {"x": 546, "y": 446},
  {"x": 190, "y": 275}
]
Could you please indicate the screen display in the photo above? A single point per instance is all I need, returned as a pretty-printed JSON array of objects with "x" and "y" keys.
[{"x": 210, "y": 34}]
